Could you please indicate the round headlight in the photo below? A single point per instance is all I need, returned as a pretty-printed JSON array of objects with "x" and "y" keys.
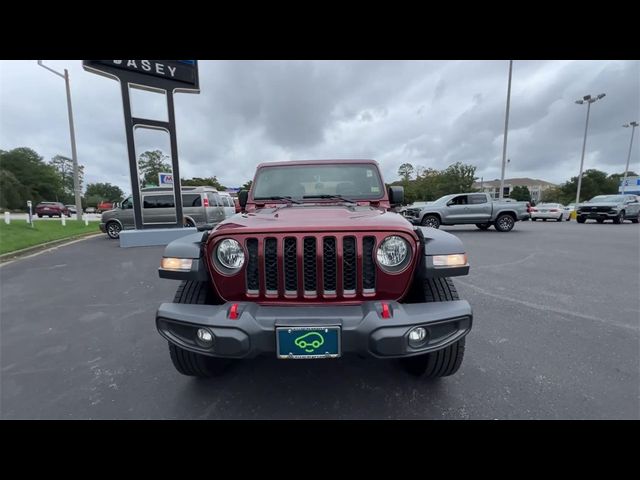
[
  {"x": 230, "y": 254},
  {"x": 393, "y": 252}
]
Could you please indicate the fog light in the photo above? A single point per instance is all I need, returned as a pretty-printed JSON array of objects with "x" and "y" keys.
[
  {"x": 417, "y": 337},
  {"x": 204, "y": 336}
]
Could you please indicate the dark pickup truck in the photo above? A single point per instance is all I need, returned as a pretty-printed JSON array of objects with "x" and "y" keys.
[{"x": 315, "y": 267}]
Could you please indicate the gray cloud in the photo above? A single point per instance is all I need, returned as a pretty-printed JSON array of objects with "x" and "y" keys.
[{"x": 429, "y": 113}]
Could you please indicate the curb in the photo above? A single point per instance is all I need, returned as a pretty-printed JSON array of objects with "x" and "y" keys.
[{"x": 16, "y": 254}]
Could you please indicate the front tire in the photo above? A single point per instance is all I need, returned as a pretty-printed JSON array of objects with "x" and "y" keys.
[
  {"x": 619, "y": 218},
  {"x": 504, "y": 223},
  {"x": 430, "y": 221},
  {"x": 446, "y": 361},
  {"x": 636, "y": 220},
  {"x": 190, "y": 363},
  {"x": 113, "y": 230},
  {"x": 581, "y": 219}
]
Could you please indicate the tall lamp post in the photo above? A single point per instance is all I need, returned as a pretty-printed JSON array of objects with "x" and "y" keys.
[
  {"x": 588, "y": 99},
  {"x": 74, "y": 156},
  {"x": 506, "y": 130},
  {"x": 633, "y": 126}
]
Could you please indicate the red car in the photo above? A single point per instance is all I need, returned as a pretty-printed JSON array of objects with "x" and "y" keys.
[
  {"x": 104, "y": 206},
  {"x": 52, "y": 209}
]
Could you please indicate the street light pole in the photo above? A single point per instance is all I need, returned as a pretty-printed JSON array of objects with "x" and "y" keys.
[
  {"x": 74, "y": 156},
  {"x": 633, "y": 126},
  {"x": 589, "y": 99},
  {"x": 506, "y": 129}
]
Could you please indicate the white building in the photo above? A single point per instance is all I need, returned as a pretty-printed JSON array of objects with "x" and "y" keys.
[{"x": 536, "y": 187}]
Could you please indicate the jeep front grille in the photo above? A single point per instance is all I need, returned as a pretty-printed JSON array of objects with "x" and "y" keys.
[{"x": 299, "y": 266}]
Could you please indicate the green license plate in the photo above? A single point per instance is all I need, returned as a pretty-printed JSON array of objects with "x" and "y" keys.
[{"x": 308, "y": 342}]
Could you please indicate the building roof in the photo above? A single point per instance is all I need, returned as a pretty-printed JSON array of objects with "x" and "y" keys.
[{"x": 525, "y": 181}]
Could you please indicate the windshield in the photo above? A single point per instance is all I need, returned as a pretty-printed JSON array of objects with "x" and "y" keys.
[
  {"x": 608, "y": 198},
  {"x": 360, "y": 181}
]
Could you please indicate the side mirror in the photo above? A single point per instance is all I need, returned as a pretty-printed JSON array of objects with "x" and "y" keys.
[
  {"x": 243, "y": 196},
  {"x": 396, "y": 195}
]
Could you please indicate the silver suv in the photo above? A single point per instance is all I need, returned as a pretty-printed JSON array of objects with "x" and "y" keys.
[{"x": 200, "y": 205}]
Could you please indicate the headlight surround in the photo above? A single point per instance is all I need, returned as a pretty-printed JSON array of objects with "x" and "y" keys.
[
  {"x": 393, "y": 254},
  {"x": 229, "y": 255}
]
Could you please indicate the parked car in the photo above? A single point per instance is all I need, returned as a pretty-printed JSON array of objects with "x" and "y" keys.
[
  {"x": 616, "y": 208},
  {"x": 51, "y": 209},
  {"x": 90, "y": 210},
  {"x": 318, "y": 267},
  {"x": 228, "y": 205},
  {"x": 550, "y": 211},
  {"x": 471, "y": 208},
  {"x": 104, "y": 206},
  {"x": 200, "y": 205},
  {"x": 72, "y": 209}
]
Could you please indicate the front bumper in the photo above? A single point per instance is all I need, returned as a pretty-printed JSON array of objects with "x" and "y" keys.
[
  {"x": 363, "y": 330},
  {"x": 596, "y": 215}
]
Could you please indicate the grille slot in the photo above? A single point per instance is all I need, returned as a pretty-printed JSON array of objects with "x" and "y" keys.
[
  {"x": 290, "y": 267},
  {"x": 271, "y": 265},
  {"x": 253, "y": 281},
  {"x": 368, "y": 265},
  {"x": 349, "y": 266},
  {"x": 309, "y": 265},
  {"x": 329, "y": 265}
]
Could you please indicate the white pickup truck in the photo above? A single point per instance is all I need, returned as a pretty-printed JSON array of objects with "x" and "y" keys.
[{"x": 470, "y": 208}]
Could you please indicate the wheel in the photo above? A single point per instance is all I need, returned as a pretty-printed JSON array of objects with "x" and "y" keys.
[
  {"x": 601, "y": 220},
  {"x": 580, "y": 219},
  {"x": 504, "y": 223},
  {"x": 619, "y": 218},
  {"x": 568, "y": 218},
  {"x": 483, "y": 226},
  {"x": 636, "y": 220},
  {"x": 68, "y": 215},
  {"x": 188, "y": 223},
  {"x": 113, "y": 230},
  {"x": 544, "y": 219},
  {"x": 446, "y": 361},
  {"x": 39, "y": 215},
  {"x": 533, "y": 219},
  {"x": 50, "y": 216},
  {"x": 430, "y": 221},
  {"x": 559, "y": 219},
  {"x": 190, "y": 363}
]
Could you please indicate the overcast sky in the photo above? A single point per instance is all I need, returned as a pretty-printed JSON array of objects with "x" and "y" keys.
[{"x": 428, "y": 113}]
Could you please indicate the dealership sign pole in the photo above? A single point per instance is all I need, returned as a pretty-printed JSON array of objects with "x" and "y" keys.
[{"x": 164, "y": 76}]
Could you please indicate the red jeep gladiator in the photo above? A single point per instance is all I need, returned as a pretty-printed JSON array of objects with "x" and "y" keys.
[{"x": 315, "y": 267}]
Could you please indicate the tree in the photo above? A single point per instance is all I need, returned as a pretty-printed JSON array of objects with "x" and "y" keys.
[
  {"x": 64, "y": 167},
  {"x": 247, "y": 185},
  {"x": 197, "y": 181},
  {"x": 594, "y": 182},
  {"x": 457, "y": 178},
  {"x": 520, "y": 193},
  {"x": 150, "y": 164},
  {"x": 25, "y": 176},
  {"x": 99, "y": 192},
  {"x": 405, "y": 171},
  {"x": 554, "y": 195}
]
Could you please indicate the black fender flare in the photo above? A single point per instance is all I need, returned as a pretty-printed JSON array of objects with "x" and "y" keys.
[
  {"x": 190, "y": 246},
  {"x": 437, "y": 242}
]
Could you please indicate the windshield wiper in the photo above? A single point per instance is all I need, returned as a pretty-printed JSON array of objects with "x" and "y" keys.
[
  {"x": 339, "y": 197},
  {"x": 279, "y": 197}
]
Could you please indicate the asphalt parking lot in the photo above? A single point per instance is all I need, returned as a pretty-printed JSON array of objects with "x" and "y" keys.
[{"x": 556, "y": 335}]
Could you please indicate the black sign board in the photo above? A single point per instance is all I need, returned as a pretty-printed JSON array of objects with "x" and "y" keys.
[
  {"x": 169, "y": 76},
  {"x": 164, "y": 74}
]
